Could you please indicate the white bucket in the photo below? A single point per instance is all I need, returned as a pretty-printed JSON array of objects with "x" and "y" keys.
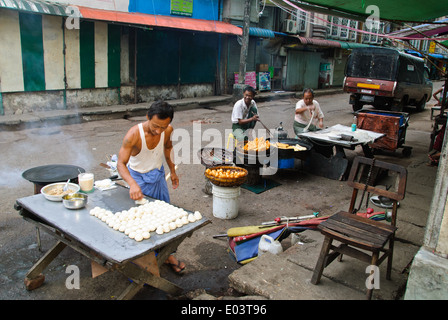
[
  {"x": 225, "y": 202},
  {"x": 268, "y": 244}
]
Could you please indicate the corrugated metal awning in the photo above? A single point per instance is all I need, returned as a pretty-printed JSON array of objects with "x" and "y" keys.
[
  {"x": 352, "y": 45},
  {"x": 319, "y": 42},
  {"x": 424, "y": 30},
  {"x": 263, "y": 33},
  {"x": 259, "y": 32},
  {"x": 43, "y": 7},
  {"x": 128, "y": 18}
]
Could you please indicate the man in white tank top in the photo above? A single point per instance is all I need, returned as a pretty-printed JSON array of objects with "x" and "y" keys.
[
  {"x": 141, "y": 154},
  {"x": 140, "y": 159}
]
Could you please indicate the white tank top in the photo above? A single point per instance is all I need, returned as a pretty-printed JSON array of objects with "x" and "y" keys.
[{"x": 147, "y": 160}]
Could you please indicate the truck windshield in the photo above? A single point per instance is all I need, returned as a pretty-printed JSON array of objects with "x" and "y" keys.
[{"x": 374, "y": 66}]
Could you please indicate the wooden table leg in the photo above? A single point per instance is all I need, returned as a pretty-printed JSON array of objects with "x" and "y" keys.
[
  {"x": 140, "y": 277},
  {"x": 34, "y": 278},
  {"x": 130, "y": 291}
]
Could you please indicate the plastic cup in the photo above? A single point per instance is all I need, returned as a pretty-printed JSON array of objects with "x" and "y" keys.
[{"x": 85, "y": 181}]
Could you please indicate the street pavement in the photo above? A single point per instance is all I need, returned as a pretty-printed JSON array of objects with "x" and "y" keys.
[{"x": 211, "y": 273}]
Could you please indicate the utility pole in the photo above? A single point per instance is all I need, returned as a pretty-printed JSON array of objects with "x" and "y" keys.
[
  {"x": 238, "y": 88},
  {"x": 245, "y": 42}
]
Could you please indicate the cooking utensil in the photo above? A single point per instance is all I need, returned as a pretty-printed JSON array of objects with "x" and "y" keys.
[
  {"x": 105, "y": 165},
  {"x": 266, "y": 128},
  {"x": 66, "y": 185},
  {"x": 74, "y": 200},
  {"x": 280, "y": 133}
]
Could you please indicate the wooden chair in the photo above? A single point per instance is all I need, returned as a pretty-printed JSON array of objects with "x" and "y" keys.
[{"x": 359, "y": 234}]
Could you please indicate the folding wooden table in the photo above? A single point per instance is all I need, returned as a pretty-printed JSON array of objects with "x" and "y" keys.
[{"x": 104, "y": 246}]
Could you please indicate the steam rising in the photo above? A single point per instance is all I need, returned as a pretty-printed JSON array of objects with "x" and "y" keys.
[{"x": 45, "y": 145}]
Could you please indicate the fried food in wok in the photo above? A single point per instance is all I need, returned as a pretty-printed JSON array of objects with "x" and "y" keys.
[{"x": 259, "y": 144}]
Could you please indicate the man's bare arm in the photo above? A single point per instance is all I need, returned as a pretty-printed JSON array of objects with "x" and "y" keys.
[
  {"x": 168, "y": 148},
  {"x": 124, "y": 154}
]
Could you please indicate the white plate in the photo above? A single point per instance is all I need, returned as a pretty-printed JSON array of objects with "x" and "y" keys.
[{"x": 48, "y": 188}]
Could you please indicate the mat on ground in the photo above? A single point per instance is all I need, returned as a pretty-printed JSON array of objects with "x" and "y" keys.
[{"x": 243, "y": 241}]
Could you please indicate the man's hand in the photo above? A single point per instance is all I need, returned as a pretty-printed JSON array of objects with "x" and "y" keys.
[
  {"x": 255, "y": 117},
  {"x": 135, "y": 193},
  {"x": 174, "y": 180},
  {"x": 321, "y": 123},
  {"x": 311, "y": 107}
]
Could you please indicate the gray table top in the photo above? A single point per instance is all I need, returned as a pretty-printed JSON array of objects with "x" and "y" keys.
[
  {"x": 328, "y": 134},
  {"x": 90, "y": 231}
]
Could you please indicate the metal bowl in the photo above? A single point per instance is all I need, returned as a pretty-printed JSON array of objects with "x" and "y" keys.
[
  {"x": 49, "y": 190},
  {"x": 74, "y": 200}
]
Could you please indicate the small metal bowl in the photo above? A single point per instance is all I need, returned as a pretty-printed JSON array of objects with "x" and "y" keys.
[{"x": 74, "y": 200}]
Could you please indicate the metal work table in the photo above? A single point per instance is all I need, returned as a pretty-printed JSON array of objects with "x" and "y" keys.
[
  {"x": 363, "y": 137},
  {"x": 334, "y": 165},
  {"x": 93, "y": 238}
]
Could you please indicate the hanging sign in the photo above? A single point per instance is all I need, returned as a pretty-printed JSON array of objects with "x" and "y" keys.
[{"x": 182, "y": 7}]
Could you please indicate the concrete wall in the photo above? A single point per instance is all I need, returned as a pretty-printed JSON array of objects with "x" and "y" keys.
[
  {"x": 428, "y": 277},
  {"x": 57, "y": 94}
]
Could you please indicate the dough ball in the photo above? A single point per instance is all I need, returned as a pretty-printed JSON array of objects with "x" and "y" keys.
[
  {"x": 197, "y": 215},
  {"x": 172, "y": 225},
  {"x": 146, "y": 235},
  {"x": 191, "y": 218},
  {"x": 138, "y": 237},
  {"x": 159, "y": 230},
  {"x": 132, "y": 234}
]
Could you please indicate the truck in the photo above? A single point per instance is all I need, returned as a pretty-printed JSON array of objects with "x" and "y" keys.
[{"x": 387, "y": 79}]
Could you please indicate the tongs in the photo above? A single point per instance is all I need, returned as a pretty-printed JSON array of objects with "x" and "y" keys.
[{"x": 265, "y": 127}]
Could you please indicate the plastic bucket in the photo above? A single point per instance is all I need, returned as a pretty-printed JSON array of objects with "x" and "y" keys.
[{"x": 225, "y": 202}]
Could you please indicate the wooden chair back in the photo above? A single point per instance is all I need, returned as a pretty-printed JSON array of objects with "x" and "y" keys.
[{"x": 366, "y": 176}]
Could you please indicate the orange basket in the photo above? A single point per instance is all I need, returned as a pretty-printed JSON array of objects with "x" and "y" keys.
[{"x": 227, "y": 181}]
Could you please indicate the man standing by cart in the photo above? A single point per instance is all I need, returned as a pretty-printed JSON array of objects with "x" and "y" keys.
[
  {"x": 140, "y": 159},
  {"x": 244, "y": 115}
]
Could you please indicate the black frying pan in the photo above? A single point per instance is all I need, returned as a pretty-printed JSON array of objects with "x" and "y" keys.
[{"x": 52, "y": 173}]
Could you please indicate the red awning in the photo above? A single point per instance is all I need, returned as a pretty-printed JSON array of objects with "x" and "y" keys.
[{"x": 160, "y": 21}]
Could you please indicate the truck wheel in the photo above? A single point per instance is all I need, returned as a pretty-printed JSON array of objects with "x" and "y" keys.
[
  {"x": 398, "y": 106},
  {"x": 406, "y": 152},
  {"x": 357, "y": 106},
  {"x": 421, "y": 104}
]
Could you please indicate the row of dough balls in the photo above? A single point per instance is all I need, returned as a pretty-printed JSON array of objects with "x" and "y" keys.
[{"x": 138, "y": 222}]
